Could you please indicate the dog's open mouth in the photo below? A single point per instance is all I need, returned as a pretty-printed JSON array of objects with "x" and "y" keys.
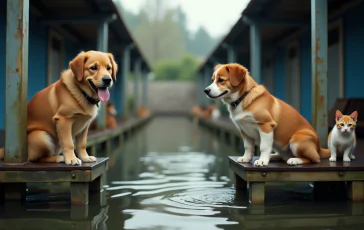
[
  {"x": 102, "y": 92},
  {"x": 222, "y": 94}
]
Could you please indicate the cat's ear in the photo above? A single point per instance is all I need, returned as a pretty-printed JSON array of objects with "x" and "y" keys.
[
  {"x": 338, "y": 115},
  {"x": 354, "y": 115}
]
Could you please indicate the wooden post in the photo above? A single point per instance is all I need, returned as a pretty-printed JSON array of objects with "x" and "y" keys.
[
  {"x": 319, "y": 49},
  {"x": 145, "y": 89},
  {"x": 124, "y": 84},
  {"x": 16, "y": 82},
  {"x": 356, "y": 190},
  {"x": 257, "y": 192},
  {"x": 240, "y": 184},
  {"x": 102, "y": 44},
  {"x": 137, "y": 72},
  {"x": 255, "y": 51},
  {"x": 79, "y": 192}
]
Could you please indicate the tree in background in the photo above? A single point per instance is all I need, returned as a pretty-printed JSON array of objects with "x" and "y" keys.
[
  {"x": 162, "y": 34},
  {"x": 183, "y": 70}
]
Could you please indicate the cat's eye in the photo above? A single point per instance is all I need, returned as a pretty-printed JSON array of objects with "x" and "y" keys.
[
  {"x": 341, "y": 124},
  {"x": 350, "y": 125}
]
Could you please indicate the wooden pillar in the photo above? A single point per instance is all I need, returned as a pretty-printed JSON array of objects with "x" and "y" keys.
[
  {"x": 102, "y": 45},
  {"x": 231, "y": 54},
  {"x": 319, "y": 47},
  {"x": 207, "y": 81},
  {"x": 125, "y": 72},
  {"x": 255, "y": 52},
  {"x": 145, "y": 88},
  {"x": 16, "y": 82},
  {"x": 137, "y": 72}
]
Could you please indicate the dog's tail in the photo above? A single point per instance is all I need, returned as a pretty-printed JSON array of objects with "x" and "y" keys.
[
  {"x": 324, "y": 153},
  {"x": 2, "y": 150}
]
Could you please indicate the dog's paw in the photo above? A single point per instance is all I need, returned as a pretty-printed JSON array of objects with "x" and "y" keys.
[
  {"x": 261, "y": 162},
  {"x": 88, "y": 159},
  {"x": 352, "y": 157},
  {"x": 294, "y": 161},
  {"x": 73, "y": 161},
  {"x": 244, "y": 159},
  {"x": 332, "y": 159},
  {"x": 60, "y": 159},
  {"x": 346, "y": 159}
]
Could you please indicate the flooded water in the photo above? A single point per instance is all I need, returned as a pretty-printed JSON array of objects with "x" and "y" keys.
[{"x": 172, "y": 175}]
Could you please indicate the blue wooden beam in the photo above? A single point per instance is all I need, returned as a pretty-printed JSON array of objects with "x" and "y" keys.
[
  {"x": 137, "y": 73},
  {"x": 319, "y": 47},
  {"x": 70, "y": 20},
  {"x": 102, "y": 45},
  {"x": 274, "y": 22},
  {"x": 231, "y": 53},
  {"x": 145, "y": 89},
  {"x": 200, "y": 88},
  {"x": 16, "y": 82},
  {"x": 125, "y": 74},
  {"x": 255, "y": 52},
  {"x": 207, "y": 81}
]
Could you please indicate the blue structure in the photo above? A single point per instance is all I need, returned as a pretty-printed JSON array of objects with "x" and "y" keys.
[
  {"x": 304, "y": 47},
  {"x": 39, "y": 38}
]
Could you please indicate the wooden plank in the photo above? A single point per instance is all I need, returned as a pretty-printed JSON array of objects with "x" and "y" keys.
[
  {"x": 324, "y": 165},
  {"x": 279, "y": 172},
  {"x": 16, "y": 80},
  {"x": 53, "y": 172},
  {"x": 257, "y": 192},
  {"x": 29, "y": 166}
]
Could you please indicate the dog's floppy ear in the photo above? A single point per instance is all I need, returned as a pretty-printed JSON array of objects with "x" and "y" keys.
[
  {"x": 77, "y": 65},
  {"x": 237, "y": 73},
  {"x": 114, "y": 67}
]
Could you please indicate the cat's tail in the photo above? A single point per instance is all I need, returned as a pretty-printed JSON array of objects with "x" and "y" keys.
[
  {"x": 324, "y": 153},
  {"x": 2, "y": 153}
]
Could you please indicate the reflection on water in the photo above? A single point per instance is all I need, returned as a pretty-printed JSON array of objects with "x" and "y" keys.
[{"x": 174, "y": 176}]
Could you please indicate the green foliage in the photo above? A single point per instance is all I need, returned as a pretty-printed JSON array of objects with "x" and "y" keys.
[
  {"x": 162, "y": 34},
  {"x": 183, "y": 69}
]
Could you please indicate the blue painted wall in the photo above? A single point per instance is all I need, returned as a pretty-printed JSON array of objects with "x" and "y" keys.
[
  {"x": 279, "y": 82},
  {"x": 37, "y": 66},
  {"x": 2, "y": 61},
  {"x": 354, "y": 51},
  {"x": 306, "y": 79}
]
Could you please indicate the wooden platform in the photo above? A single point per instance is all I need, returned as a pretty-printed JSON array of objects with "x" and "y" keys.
[
  {"x": 83, "y": 179},
  {"x": 351, "y": 172}
]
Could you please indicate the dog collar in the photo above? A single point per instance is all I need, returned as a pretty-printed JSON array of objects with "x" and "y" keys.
[
  {"x": 237, "y": 102},
  {"x": 90, "y": 99}
]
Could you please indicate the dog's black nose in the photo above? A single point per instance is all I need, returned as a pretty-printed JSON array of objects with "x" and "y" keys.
[
  {"x": 106, "y": 80},
  {"x": 207, "y": 91}
]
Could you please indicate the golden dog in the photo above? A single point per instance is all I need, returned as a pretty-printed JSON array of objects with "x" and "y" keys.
[
  {"x": 62, "y": 112},
  {"x": 264, "y": 120}
]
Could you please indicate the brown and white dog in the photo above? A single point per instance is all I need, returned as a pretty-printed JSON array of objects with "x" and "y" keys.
[
  {"x": 62, "y": 112},
  {"x": 264, "y": 120}
]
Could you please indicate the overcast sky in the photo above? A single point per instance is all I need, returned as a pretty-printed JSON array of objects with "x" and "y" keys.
[{"x": 217, "y": 16}]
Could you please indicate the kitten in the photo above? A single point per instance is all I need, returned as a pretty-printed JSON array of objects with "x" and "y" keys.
[{"x": 342, "y": 138}]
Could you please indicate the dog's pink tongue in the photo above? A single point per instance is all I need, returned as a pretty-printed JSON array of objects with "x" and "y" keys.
[{"x": 103, "y": 94}]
